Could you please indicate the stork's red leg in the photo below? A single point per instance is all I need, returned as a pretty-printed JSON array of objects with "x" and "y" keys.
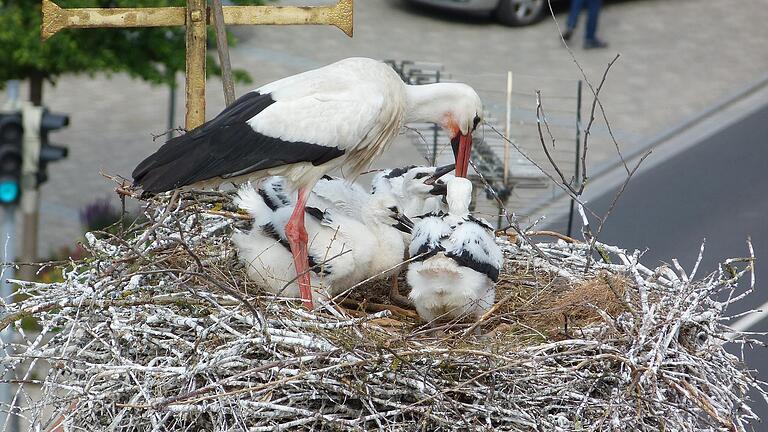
[{"x": 297, "y": 238}]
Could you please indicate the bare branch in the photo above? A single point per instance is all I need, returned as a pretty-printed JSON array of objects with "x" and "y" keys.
[
  {"x": 541, "y": 118},
  {"x": 559, "y": 184},
  {"x": 588, "y": 130}
]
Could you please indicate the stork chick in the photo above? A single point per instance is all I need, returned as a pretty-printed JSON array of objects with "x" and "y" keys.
[
  {"x": 458, "y": 260},
  {"x": 418, "y": 189},
  {"x": 410, "y": 186},
  {"x": 354, "y": 249}
]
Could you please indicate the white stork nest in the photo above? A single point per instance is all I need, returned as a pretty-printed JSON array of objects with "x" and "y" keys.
[{"x": 160, "y": 330}]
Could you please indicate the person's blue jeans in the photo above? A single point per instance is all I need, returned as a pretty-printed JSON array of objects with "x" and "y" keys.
[{"x": 593, "y": 13}]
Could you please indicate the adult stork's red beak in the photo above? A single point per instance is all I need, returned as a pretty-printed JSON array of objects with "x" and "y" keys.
[{"x": 462, "y": 147}]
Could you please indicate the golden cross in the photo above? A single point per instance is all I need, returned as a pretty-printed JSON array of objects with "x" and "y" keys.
[{"x": 195, "y": 16}]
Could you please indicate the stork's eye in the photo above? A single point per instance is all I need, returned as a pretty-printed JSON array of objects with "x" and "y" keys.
[
  {"x": 475, "y": 122},
  {"x": 393, "y": 209},
  {"x": 420, "y": 175}
]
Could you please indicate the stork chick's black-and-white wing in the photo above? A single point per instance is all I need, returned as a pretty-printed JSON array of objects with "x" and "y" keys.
[
  {"x": 428, "y": 236},
  {"x": 267, "y": 256},
  {"x": 472, "y": 245},
  {"x": 299, "y": 126},
  {"x": 275, "y": 192},
  {"x": 348, "y": 197}
]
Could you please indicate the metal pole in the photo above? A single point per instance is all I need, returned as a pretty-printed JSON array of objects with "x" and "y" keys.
[
  {"x": 578, "y": 150},
  {"x": 30, "y": 193},
  {"x": 172, "y": 108},
  {"x": 196, "y": 52},
  {"x": 434, "y": 144},
  {"x": 499, "y": 216},
  {"x": 508, "y": 127},
  {"x": 8, "y": 422}
]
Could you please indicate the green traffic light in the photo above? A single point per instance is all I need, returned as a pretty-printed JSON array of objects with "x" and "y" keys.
[{"x": 9, "y": 191}]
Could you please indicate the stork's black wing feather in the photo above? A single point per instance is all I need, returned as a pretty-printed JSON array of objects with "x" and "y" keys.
[
  {"x": 474, "y": 246},
  {"x": 223, "y": 147},
  {"x": 466, "y": 259}
]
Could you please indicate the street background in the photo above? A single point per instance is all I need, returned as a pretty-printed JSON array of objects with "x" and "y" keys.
[{"x": 677, "y": 59}]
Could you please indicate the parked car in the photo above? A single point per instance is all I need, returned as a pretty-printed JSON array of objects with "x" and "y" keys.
[{"x": 508, "y": 12}]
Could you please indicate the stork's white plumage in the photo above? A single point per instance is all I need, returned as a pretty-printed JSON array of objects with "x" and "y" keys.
[
  {"x": 355, "y": 248},
  {"x": 459, "y": 260},
  {"x": 419, "y": 190},
  {"x": 306, "y": 125},
  {"x": 412, "y": 187}
]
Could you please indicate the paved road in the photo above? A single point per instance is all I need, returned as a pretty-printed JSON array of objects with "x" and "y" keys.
[{"x": 715, "y": 190}]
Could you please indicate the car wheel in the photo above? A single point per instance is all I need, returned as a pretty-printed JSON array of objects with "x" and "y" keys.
[{"x": 520, "y": 12}]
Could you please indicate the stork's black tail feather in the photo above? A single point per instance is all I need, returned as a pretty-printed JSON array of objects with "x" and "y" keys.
[{"x": 208, "y": 151}]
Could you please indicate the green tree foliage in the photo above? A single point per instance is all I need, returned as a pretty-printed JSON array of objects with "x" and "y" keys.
[{"x": 151, "y": 54}]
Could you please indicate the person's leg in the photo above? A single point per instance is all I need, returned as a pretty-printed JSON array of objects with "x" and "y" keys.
[
  {"x": 573, "y": 16},
  {"x": 590, "y": 39},
  {"x": 593, "y": 14}
]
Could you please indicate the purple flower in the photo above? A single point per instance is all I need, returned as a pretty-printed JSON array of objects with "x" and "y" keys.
[{"x": 99, "y": 214}]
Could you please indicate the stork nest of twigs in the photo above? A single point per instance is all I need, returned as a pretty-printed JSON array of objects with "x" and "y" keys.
[{"x": 159, "y": 329}]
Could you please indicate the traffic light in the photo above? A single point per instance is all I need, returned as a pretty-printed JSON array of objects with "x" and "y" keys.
[
  {"x": 11, "y": 133},
  {"x": 50, "y": 152},
  {"x": 12, "y": 151}
]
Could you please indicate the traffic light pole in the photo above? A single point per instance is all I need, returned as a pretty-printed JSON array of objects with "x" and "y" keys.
[
  {"x": 7, "y": 422},
  {"x": 30, "y": 194},
  {"x": 10, "y": 136}
]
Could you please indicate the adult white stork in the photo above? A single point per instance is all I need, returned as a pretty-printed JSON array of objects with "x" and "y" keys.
[{"x": 303, "y": 126}]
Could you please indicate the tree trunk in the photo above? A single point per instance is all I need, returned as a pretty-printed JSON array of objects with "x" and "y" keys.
[{"x": 36, "y": 88}]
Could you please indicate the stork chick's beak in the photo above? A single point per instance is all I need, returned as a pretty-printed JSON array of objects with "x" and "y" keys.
[
  {"x": 439, "y": 189},
  {"x": 439, "y": 172},
  {"x": 462, "y": 147},
  {"x": 404, "y": 223}
]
